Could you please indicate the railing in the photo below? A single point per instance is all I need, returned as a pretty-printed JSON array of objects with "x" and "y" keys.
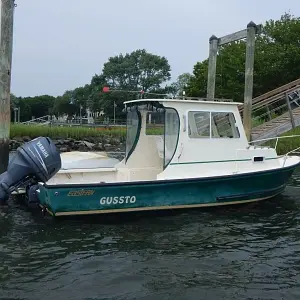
[
  {"x": 45, "y": 120},
  {"x": 275, "y": 147},
  {"x": 276, "y": 143},
  {"x": 70, "y": 123},
  {"x": 271, "y": 95},
  {"x": 201, "y": 99},
  {"x": 292, "y": 151},
  {"x": 274, "y": 138},
  {"x": 276, "y": 102},
  {"x": 280, "y": 91},
  {"x": 277, "y": 105}
]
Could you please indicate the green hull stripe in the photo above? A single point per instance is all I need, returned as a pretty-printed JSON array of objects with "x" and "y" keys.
[{"x": 219, "y": 161}]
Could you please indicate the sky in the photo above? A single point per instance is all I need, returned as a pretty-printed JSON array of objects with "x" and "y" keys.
[{"x": 60, "y": 44}]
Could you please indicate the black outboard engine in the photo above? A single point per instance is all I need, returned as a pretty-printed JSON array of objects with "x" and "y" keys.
[{"x": 35, "y": 161}]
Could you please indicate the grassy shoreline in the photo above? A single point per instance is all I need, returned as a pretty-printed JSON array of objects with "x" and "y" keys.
[
  {"x": 80, "y": 133},
  {"x": 57, "y": 132},
  {"x": 288, "y": 144}
]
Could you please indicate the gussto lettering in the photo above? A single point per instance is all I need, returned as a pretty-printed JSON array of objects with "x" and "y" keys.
[{"x": 117, "y": 200}]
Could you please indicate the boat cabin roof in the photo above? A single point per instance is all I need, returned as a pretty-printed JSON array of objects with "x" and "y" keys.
[{"x": 183, "y": 101}]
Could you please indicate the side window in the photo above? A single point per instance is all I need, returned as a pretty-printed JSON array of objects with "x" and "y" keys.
[
  {"x": 172, "y": 127},
  {"x": 132, "y": 131},
  {"x": 223, "y": 125},
  {"x": 199, "y": 124}
]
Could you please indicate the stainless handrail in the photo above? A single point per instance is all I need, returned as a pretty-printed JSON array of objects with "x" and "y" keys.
[{"x": 275, "y": 138}]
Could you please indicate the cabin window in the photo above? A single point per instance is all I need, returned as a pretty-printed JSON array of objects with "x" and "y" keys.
[
  {"x": 223, "y": 125},
  {"x": 199, "y": 124},
  {"x": 172, "y": 125},
  {"x": 155, "y": 123},
  {"x": 133, "y": 131}
]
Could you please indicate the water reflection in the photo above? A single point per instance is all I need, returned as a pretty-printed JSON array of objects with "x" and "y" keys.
[{"x": 227, "y": 253}]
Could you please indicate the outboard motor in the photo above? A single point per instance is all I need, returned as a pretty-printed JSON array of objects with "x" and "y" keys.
[{"x": 35, "y": 161}]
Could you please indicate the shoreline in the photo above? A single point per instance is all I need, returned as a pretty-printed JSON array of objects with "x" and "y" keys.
[{"x": 107, "y": 144}]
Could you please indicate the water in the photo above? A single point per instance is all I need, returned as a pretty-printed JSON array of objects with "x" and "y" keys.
[{"x": 245, "y": 252}]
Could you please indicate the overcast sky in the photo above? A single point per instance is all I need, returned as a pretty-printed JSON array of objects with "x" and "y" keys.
[{"x": 61, "y": 44}]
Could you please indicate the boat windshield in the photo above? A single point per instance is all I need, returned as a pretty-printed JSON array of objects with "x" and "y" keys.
[
  {"x": 159, "y": 121},
  {"x": 133, "y": 131}
]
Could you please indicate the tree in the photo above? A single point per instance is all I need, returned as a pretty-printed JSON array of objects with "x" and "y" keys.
[
  {"x": 138, "y": 70},
  {"x": 96, "y": 97},
  {"x": 134, "y": 71},
  {"x": 129, "y": 73},
  {"x": 278, "y": 56},
  {"x": 66, "y": 104},
  {"x": 277, "y": 62},
  {"x": 41, "y": 105},
  {"x": 176, "y": 88},
  {"x": 37, "y": 107}
]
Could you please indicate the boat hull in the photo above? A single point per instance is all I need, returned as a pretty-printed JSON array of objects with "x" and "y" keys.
[{"x": 62, "y": 200}]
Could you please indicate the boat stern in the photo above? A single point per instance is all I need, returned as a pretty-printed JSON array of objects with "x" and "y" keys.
[{"x": 42, "y": 195}]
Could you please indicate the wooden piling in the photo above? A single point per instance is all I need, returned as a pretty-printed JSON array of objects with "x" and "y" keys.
[
  {"x": 250, "y": 47},
  {"x": 6, "y": 41},
  {"x": 212, "y": 66}
]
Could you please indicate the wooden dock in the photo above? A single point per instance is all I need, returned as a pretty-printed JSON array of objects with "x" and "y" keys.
[
  {"x": 276, "y": 126},
  {"x": 279, "y": 108}
]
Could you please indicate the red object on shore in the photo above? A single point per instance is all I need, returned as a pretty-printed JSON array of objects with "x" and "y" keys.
[{"x": 105, "y": 89}]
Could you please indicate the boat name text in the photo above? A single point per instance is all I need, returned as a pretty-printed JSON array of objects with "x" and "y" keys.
[{"x": 117, "y": 200}]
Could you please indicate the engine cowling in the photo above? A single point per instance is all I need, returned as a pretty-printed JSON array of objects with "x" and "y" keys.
[{"x": 36, "y": 161}]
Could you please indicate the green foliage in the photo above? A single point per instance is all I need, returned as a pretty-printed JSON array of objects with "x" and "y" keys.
[
  {"x": 180, "y": 85},
  {"x": 62, "y": 105},
  {"x": 230, "y": 76},
  {"x": 55, "y": 132},
  {"x": 257, "y": 122},
  {"x": 288, "y": 144},
  {"x": 38, "y": 106},
  {"x": 277, "y": 62},
  {"x": 136, "y": 71},
  {"x": 196, "y": 87},
  {"x": 77, "y": 133}
]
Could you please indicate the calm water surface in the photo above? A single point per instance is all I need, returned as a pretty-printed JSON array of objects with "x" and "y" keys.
[{"x": 245, "y": 252}]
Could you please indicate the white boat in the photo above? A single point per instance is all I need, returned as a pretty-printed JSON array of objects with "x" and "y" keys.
[{"x": 179, "y": 154}]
